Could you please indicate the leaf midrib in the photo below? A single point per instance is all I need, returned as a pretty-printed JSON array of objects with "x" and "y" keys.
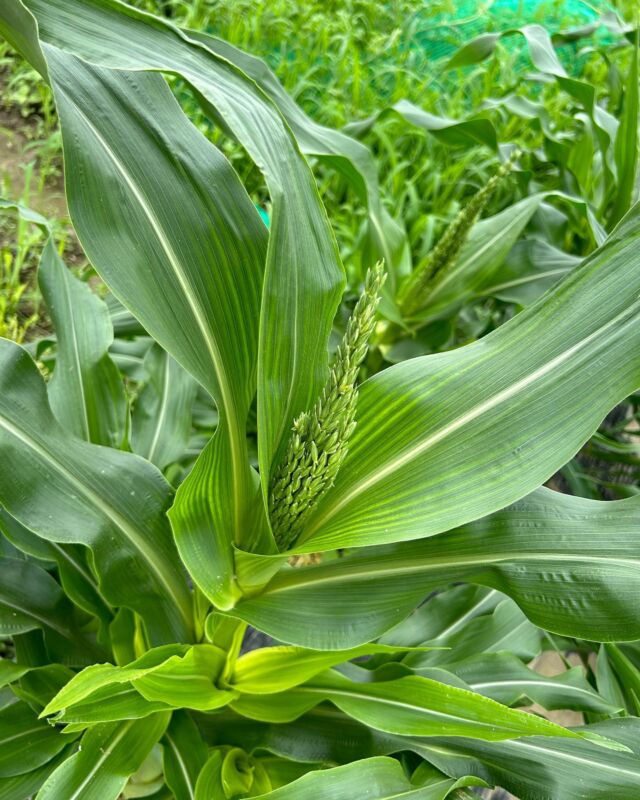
[
  {"x": 163, "y": 410},
  {"x": 434, "y": 564},
  {"x": 233, "y": 428},
  {"x": 112, "y": 514},
  {"x": 353, "y": 695},
  {"x": 471, "y": 415},
  {"x": 183, "y": 766},
  {"x": 106, "y": 753}
]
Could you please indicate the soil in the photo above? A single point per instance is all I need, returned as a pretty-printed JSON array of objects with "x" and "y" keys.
[{"x": 16, "y": 133}]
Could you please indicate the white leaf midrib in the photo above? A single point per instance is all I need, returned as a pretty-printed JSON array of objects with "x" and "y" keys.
[
  {"x": 469, "y": 416},
  {"x": 441, "y": 563},
  {"x": 105, "y": 754},
  {"x": 112, "y": 514},
  {"x": 164, "y": 401},
  {"x": 363, "y": 697},
  {"x": 227, "y": 395}
]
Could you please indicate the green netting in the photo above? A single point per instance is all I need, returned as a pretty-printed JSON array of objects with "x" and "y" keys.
[{"x": 438, "y": 33}]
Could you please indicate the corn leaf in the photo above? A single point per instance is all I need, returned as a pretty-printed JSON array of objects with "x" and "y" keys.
[
  {"x": 626, "y": 143},
  {"x": 448, "y": 438},
  {"x": 28, "y": 783},
  {"x": 460, "y": 133},
  {"x": 30, "y": 599},
  {"x": 354, "y": 161},
  {"x": 118, "y": 501},
  {"x": 504, "y": 678},
  {"x": 174, "y": 675},
  {"x": 303, "y": 283},
  {"x": 275, "y": 669},
  {"x": 384, "y": 778},
  {"x": 184, "y": 755},
  {"x": 76, "y": 578},
  {"x": 26, "y": 742},
  {"x": 86, "y": 392},
  {"x": 590, "y": 545},
  {"x": 161, "y": 419},
  {"x": 109, "y": 755},
  {"x": 411, "y": 705},
  {"x": 535, "y": 768}
]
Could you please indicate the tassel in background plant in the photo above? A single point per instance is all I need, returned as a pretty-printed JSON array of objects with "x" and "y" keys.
[{"x": 415, "y": 292}]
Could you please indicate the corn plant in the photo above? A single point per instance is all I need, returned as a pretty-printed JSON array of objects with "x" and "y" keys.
[{"x": 126, "y": 598}]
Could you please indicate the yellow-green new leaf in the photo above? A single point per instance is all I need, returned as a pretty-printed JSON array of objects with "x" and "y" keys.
[{"x": 274, "y": 669}]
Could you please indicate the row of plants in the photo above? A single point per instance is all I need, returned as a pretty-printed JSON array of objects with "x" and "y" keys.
[{"x": 192, "y": 452}]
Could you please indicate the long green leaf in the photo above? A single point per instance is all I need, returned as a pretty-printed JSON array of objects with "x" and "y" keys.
[
  {"x": 109, "y": 755},
  {"x": 161, "y": 419},
  {"x": 351, "y": 158},
  {"x": 538, "y": 42},
  {"x": 187, "y": 260},
  {"x": 448, "y": 438},
  {"x": 27, "y": 784},
  {"x": 31, "y": 599},
  {"x": 537, "y": 769},
  {"x": 67, "y": 490},
  {"x": 626, "y": 143},
  {"x": 384, "y": 779},
  {"x": 220, "y": 258},
  {"x": 86, "y": 392},
  {"x": 461, "y": 133},
  {"x": 590, "y": 546},
  {"x": 303, "y": 283},
  {"x": 505, "y": 628},
  {"x": 185, "y": 754},
  {"x": 407, "y": 706},
  {"x": 76, "y": 577},
  {"x": 26, "y": 742},
  {"x": 505, "y": 678},
  {"x": 299, "y": 280}
]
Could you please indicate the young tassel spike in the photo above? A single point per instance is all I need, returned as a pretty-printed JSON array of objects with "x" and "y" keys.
[
  {"x": 318, "y": 444},
  {"x": 415, "y": 292}
]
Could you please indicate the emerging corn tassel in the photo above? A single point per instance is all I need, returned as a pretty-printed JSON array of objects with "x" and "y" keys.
[
  {"x": 318, "y": 444},
  {"x": 415, "y": 292}
]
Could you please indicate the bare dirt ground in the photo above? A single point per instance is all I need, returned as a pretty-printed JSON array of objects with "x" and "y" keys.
[{"x": 16, "y": 134}]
